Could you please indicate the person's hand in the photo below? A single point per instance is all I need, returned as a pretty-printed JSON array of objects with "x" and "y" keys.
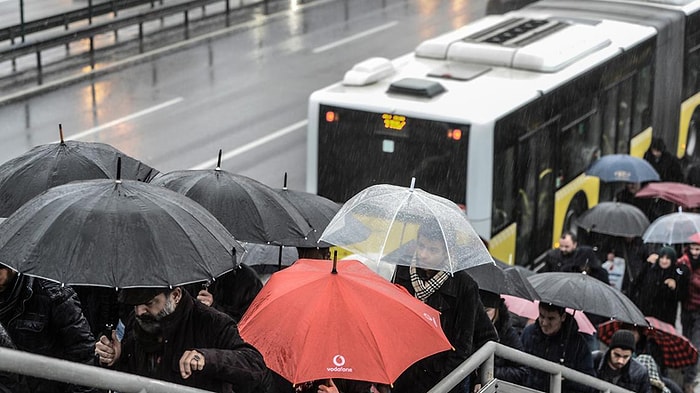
[
  {"x": 205, "y": 297},
  {"x": 652, "y": 258},
  {"x": 108, "y": 351},
  {"x": 191, "y": 361},
  {"x": 671, "y": 283},
  {"x": 477, "y": 387},
  {"x": 330, "y": 388}
]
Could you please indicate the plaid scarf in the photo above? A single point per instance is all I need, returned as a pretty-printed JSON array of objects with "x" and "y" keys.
[{"x": 423, "y": 288}]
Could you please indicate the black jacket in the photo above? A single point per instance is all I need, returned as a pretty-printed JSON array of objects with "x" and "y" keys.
[
  {"x": 231, "y": 365},
  {"x": 509, "y": 336},
  {"x": 464, "y": 322},
  {"x": 633, "y": 375},
  {"x": 656, "y": 299},
  {"x": 583, "y": 258},
  {"x": 567, "y": 343},
  {"x": 47, "y": 320}
]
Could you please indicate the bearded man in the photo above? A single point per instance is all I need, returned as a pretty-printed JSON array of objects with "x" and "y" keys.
[{"x": 170, "y": 336}]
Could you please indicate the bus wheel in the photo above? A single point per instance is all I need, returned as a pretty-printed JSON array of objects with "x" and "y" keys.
[
  {"x": 577, "y": 206},
  {"x": 692, "y": 149}
]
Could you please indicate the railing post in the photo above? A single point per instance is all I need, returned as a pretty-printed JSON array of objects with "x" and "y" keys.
[
  {"x": 228, "y": 13},
  {"x": 141, "y": 37},
  {"x": 92, "y": 53},
  {"x": 39, "y": 76},
  {"x": 555, "y": 383},
  {"x": 487, "y": 370},
  {"x": 21, "y": 18},
  {"x": 187, "y": 24},
  {"x": 89, "y": 12}
]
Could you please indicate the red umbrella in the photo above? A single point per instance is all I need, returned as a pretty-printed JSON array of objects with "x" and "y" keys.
[
  {"x": 311, "y": 322},
  {"x": 679, "y": 193},
  {"x": 530, "y": 310},
  {"x": 678, "y": 351}
]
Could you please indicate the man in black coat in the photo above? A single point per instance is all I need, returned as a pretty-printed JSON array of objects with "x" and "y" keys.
[
  {"x": 231, "y": 293},
  {"x": 617, "y": 366},
  {"x": 43, "y": 318},
  {"x": 171, "y": 337},
  {"x": 570, "y": 257},
  {"x": 462, "y": 315}
]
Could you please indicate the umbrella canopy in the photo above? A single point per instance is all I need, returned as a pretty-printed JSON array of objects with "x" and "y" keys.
[
  {"x": 393, "y": 215},
  {"x": 677, "y": 350},
  {"x": 624, "y": 168},
  {"x": 614, "y": 218},
  {"x": 490, "y": 277},
  {"x": 530, "y": 310},
  {"x": 582, "y": 292},
  {"x": 681, "y": 194},
  {"x": 673, "y": 228},
  {"x": 46, "y": 166},
  {"x": 267, "y": 254},
  {"x": 311, "y": 321},
  {"x": 117, "y": 234},
  {"x": 250, "y": 210},
  {"x": 317, "y": 210}
]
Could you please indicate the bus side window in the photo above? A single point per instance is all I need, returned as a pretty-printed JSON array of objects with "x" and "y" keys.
[
  {"x": 642, "y": 96},
  {"x": 624, "y": 116}
]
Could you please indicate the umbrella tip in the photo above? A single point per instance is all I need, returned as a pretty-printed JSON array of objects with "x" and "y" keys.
[
  {"x": 60, "y": 133},
  {"x": 218, "y": 162},
  {"x": 284, "y": 187},
  {"x": 413, "y": 183},
  {"x": 335, "y": 262}
]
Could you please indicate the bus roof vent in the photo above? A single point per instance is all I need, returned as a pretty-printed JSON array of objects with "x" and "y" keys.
[
  {"x": 368, "y": 72},
  {"x": 416, "y": 87},
  {"x": 542, "y": 45}
]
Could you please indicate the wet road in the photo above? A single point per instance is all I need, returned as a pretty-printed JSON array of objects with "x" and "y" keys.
[{"x": 244, "y": 91}]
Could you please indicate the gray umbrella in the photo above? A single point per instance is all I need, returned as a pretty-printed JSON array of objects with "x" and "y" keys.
[{"x": 615, "y": 219}]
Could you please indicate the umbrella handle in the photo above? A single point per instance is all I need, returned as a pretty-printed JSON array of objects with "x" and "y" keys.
[{"x": 335, "y": 262}]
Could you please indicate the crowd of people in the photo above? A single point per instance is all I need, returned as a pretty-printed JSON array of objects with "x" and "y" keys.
[{"x": 188, "y": 334}]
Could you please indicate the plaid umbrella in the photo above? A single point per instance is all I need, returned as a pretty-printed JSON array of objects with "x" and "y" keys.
[{"x": 678, "y": 351}]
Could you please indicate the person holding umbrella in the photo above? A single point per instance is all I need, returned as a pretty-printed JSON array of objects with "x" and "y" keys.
[
  {"x": 617, "y": 366},
  {"x": 170, "y": 336},
  {"x": 44, "y": 318},
  {"x": 555, "y": 337},
  {"x": 690, "y": 310},
  {"x": 462, "y": 314}
]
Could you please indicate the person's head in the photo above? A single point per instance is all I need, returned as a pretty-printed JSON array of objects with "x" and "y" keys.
[
  {"x": 694, "y": 250},
  {"x": 658, "y": 147},
  {"x": 621, "y": 348},
  {"x": 492, "y": 302},
  {"x": 633, "y": 188},
  {"x": 151, "y": 305},
  {"x": 7, "y": 277},
  {"x": 567, "y": 243},
  {"x": 430, "y": 245},
  {"x": 667, "y": 257},
  {"x": 551, "y": 318}
]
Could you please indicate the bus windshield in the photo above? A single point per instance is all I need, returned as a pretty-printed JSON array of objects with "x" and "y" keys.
[{"x": 389, "y": 148}]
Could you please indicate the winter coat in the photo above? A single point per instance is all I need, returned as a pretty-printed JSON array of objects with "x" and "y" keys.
[
  {"x": 567, "y": 342},
  {"x": 464, "y": 323},
  {"x": 47, "y": 320},
  {"x": 231, "y": 365},
  {"x": 656, "y": 299},
  {"x": 582, "y": 258},
  {"x": 692, "y": 300},
  {"x": 505, "y": 369},
  {"x": 633, "y": 375}
]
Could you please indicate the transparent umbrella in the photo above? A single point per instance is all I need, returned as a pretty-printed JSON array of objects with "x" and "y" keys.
[
  {"x": 390, "y": 216},
  {"x": 674, "y": 228}
]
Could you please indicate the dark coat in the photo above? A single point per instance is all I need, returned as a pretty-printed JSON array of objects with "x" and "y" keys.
[
  {"x": 509, "y": 336},
  {"x": 582, "y": 258},
  {"x": 567, "y": 342},
  {"x": 47, "y": 320},
  {"x": 464, "y": 322},
  {"x": 633, "y": 376},
  {"x": 231, "y": 365},
  {"x": 656, "y": 299},
  {"x": 667, "y": 166},
  {"x": 234, "y": 291}
]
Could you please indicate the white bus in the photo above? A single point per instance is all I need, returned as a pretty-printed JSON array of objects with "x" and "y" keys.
[{"x": 504, "y": 115}]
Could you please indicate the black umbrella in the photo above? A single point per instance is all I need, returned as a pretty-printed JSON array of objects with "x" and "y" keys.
[
  {"x": 492, "y": 278},
  {"x": 116, "y": 233},
  {"x": 614, "y": 218},
  {"x": 317, "y": 210},
  {"x": 250, "y": 210},
  {"x": 46, "y": 166},
  {"x": 580, "y": 291}
]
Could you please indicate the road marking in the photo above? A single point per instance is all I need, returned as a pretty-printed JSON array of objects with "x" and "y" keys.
[
  {"x": 125, "y": 119},
  {"x": 355, "y": 37},
  {"x": 210, "y": 164}
]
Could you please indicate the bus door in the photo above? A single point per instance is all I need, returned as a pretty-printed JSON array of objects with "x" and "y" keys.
[{"x": 536, "y": 177}]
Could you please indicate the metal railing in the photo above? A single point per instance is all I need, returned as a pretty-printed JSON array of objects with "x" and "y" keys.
[
  {"x": 89, "y": 32},
  {"x": 484, "y": 357},
  {"x": 25, "y": 363}
]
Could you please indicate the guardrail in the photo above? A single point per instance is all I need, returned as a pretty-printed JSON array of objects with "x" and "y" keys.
[
  {"x": 89, "y": 32},
  {"x": 484, "y": 357},
  {"x": 65, "y": 19}
]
